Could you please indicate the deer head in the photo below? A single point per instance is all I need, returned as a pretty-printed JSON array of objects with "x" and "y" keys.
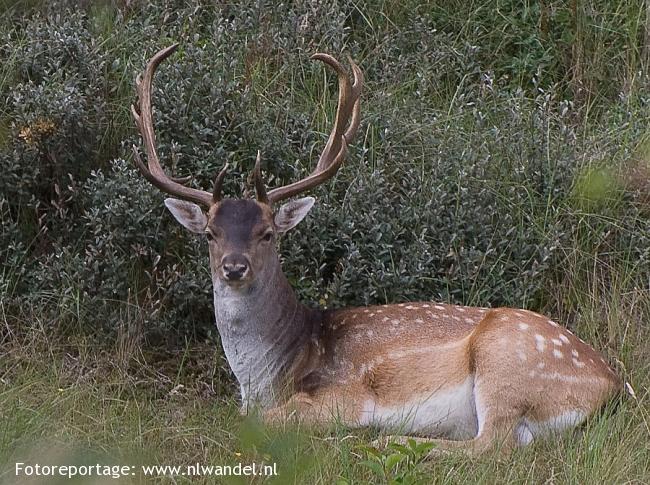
[{"x": 241, "y": 232}]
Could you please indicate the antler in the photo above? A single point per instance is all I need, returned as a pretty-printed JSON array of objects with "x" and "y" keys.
[
  {"x": 337, "y": 145},
  {"x": 345, "y": 127},
  {"x": 153, "y": 172}
]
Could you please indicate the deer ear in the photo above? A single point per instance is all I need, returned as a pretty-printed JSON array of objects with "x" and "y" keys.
[
  {"x": 188, "y": 214},
  {"x": 291, "y": 213}
]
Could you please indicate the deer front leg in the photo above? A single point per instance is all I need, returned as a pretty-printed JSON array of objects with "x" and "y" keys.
[
  {"x": 326, "y": 406},
  {"x": 299, "y": 407}
]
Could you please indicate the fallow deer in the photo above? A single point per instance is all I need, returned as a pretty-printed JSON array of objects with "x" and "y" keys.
[{"x": 464, "y": 377}]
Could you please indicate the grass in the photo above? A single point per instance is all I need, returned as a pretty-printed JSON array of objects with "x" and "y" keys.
[
  {"x": 86, "y": 407},
  {"x": 539, "y": 112}
]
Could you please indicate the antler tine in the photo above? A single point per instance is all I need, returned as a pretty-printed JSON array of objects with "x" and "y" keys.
[
  {"x": 218, "y": 183},
  {"x": 260, "y": 190},
  {"x": 343, "y": 111},
  {"x": 142, "y": 113},
  {"x": 357, "y": 86},
  {"x": 348, "y": 111}
]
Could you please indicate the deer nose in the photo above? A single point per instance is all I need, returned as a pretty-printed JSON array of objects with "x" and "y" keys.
[{"x": 235, "y": 267}]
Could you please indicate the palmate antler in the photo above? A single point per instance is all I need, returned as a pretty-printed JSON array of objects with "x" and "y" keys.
[{"x": 345, "y": 127}]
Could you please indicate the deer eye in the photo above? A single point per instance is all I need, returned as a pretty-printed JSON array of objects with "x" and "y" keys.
[
  {"x": 209, "y": 236},
  {"x": 267, "y": 236}
]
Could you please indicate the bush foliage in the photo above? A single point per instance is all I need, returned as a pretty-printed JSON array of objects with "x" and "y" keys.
[{"x": 486, "y": 170}]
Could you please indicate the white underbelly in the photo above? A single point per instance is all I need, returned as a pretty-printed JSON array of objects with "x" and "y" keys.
[{"x": 449, "y": 412}]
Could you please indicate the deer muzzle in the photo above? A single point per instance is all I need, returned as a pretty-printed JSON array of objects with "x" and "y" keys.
[{"x": 235, "y": 267}]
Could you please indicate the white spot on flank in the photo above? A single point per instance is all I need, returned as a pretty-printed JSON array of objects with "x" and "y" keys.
[
  {"x": 540, "y": 343},
  {"x": 577, "y": 363},
  {"x": 366, "y": 311},
  {"x": 456, "y": 318},
  {"x": 522, "y": 355},
  {"x": 557, "y": 354},
  {"x": 410, "y": 307},
  {"x": 461, "y": 309},
  {"x": 438, "y": 307},
  {"x": 541, "y": 365},
  {"x": 372, "y": 315},
  {"x": 524, "y": 326},
  {"x": 575, "y": 354},
  {"x": 419, "y": 320},
  {"x": 354, "y": 316},
  {"x": 556, "y": 342},
  {"x": 564, "y": 338},
  {"x": 400, "y": 304},
  {"x": 380, "y": 311},
  {"x": 386, "y": 319},
  {"x": 469, "y": 320},
  {"x": 573, "y": 379},
  {"x": 519, "y": 314},
  {"x": 551, "y": 322},
  {"x": 426, "y": 305}
]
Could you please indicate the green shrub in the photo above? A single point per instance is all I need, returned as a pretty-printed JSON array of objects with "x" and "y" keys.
[{"x": 461, "y": 185}]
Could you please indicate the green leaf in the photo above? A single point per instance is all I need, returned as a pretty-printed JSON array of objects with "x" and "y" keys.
[
  {"x": 376, "y": 467},
  {"x": 399, "y": 447},
  {"x": 393, "y": 460},
  {"x": 424, "y": 448},
  {"x": 370, "y": 450}
]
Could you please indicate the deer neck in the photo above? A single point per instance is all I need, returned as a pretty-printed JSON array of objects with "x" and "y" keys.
[{"x": 263, "y": 329}]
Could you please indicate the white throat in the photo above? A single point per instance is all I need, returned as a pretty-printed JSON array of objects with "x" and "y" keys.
[{"x": 261, "y": 331}]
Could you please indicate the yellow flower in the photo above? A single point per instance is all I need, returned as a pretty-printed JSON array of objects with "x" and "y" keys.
[
  {"x": 26, "y": 135},
  {"x": 38, "y": 130}
]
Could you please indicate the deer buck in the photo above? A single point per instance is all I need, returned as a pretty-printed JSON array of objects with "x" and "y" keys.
[{"x": 462, "y": 377}]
